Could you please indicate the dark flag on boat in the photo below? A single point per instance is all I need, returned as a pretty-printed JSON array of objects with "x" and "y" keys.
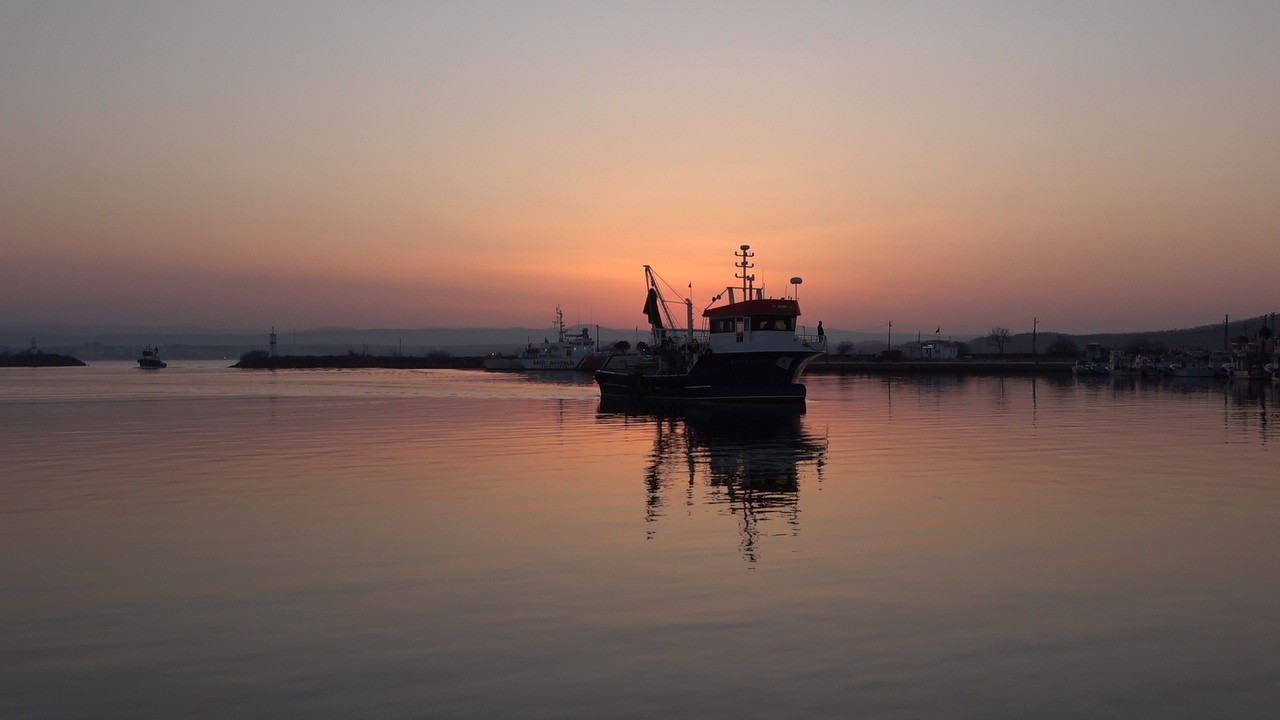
[{"x": 651, "y": 309}]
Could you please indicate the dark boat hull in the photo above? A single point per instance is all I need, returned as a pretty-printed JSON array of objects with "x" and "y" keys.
[{"x": 724, "y": 377}]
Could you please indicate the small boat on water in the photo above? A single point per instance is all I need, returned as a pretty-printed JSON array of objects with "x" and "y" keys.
[
  {"x": 750, "y": 352},
  {"x": 1121, "y": 364},
  {"x": 1094, "y": 361},
  {"x": 1195, "y": 365},
  {"x": 1273, "y": 367},
  {"x": 1248, "y": 357},
  {"x": 1086, "y": 367},
  {"x": 150, "y": 359},
  {"x": 569, "y": 351}
]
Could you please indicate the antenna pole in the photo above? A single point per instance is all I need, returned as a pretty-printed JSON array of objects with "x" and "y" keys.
[{"x": 748, "y": 280}]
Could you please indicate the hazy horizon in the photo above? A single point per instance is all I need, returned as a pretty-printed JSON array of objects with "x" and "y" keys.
[
  {"x": 1090, "y": 168},
  {"x": 18, "y": 336}
]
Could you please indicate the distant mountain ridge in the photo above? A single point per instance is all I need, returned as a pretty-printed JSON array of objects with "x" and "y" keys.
[{"x": 1204, "y": 337}]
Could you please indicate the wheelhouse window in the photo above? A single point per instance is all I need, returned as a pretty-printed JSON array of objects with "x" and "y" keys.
[
  {"x": 774, "y": 322},
  {"x": 724, "y": 325},
  {"x": 758, "y": 322}
]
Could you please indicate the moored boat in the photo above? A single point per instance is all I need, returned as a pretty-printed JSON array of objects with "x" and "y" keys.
[
  {"x": 750, "y": 350},
  {"x": 1247, "y": 357},
  {"x": 1086, "y": 367},
  {"x": 1121, "y": 364},
  {"x": 1194, "y": 365},
  {"x": 150, "y": 359},
  {"x": 569, "y": 351},
  {"x": 1094, "y": 361}
]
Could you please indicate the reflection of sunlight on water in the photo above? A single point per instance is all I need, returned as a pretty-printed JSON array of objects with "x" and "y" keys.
[{"x": 330, "y": 537}]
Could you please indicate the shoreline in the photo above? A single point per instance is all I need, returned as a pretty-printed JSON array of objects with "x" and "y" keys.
[
  {"x": 822, "y": 366},
  {"x": 40, "y": 359},
  {"x": 955, "y": 367},
  {"x": 358, "y": 362}
]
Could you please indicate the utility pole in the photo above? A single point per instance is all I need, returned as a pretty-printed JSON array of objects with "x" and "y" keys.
[{"x": 1034, "y": 322}]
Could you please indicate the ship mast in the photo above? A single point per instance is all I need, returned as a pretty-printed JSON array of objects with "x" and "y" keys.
[
  {"x": 655, "y": 307},
  {"x": 748, "y": 279}
]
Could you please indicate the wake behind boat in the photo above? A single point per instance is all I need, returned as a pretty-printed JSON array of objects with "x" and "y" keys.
[{"x": 750, "y": 352}]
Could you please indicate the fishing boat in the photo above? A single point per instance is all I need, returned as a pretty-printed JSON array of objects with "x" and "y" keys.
[
  {"x": 1085, "y": 367},
  {"x": 1247, "y": 357},
  {"x": 1195, "y": 365},
  {"x": 150, "y": 359},
  {"x": 1121, "y": 364},
  {"x": 749, "y": 351},
  {"x": 569, "y": 351}
]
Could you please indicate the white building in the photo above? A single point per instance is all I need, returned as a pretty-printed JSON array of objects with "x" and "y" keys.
[{"x": 930, "y": 350}]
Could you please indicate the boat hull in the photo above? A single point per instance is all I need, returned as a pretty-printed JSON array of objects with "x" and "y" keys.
[
  {"x": 150, "y": 359},
  {"x": 585, "y": 363},
  {"x": 716, "y": 377},
  {"x": 1194, "y": 372}
]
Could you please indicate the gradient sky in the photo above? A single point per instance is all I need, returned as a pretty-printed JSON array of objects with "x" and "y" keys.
[{"x": 1103, "y": 166}]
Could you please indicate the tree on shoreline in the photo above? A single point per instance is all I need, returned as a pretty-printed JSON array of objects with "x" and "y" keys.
[{"x": 998, "y": 337}]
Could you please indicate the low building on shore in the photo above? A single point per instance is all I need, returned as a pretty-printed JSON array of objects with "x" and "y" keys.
[{"x": 931, "y": 350}]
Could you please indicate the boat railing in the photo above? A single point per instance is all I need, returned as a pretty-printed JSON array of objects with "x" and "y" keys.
[
  {"x": 682, "y": 338},
  {"x": 812, "y": 340}
]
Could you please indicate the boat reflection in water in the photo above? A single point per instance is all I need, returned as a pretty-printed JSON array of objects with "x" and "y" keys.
[{"x": 750, "y": 460}]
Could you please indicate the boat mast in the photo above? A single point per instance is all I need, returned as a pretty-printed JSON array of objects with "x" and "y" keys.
[
  {"x": 660, "y": 317},
  {"x": 655, "y": 306},
  {"x": 688, "y": 307},
  {"x": 748, "y": 280}
]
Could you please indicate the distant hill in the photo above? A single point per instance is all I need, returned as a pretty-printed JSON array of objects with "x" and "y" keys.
[
  {"x": 1203, "y": 337},
  {"x": 199, "y": 344},
  {"x": 37, "y": 359}
]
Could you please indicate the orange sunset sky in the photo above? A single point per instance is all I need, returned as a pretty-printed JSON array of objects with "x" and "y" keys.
[{"x": 1103, "y": 166}]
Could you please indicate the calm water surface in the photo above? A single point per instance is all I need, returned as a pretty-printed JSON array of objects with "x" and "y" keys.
[{"x": 207, "y": 542}]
